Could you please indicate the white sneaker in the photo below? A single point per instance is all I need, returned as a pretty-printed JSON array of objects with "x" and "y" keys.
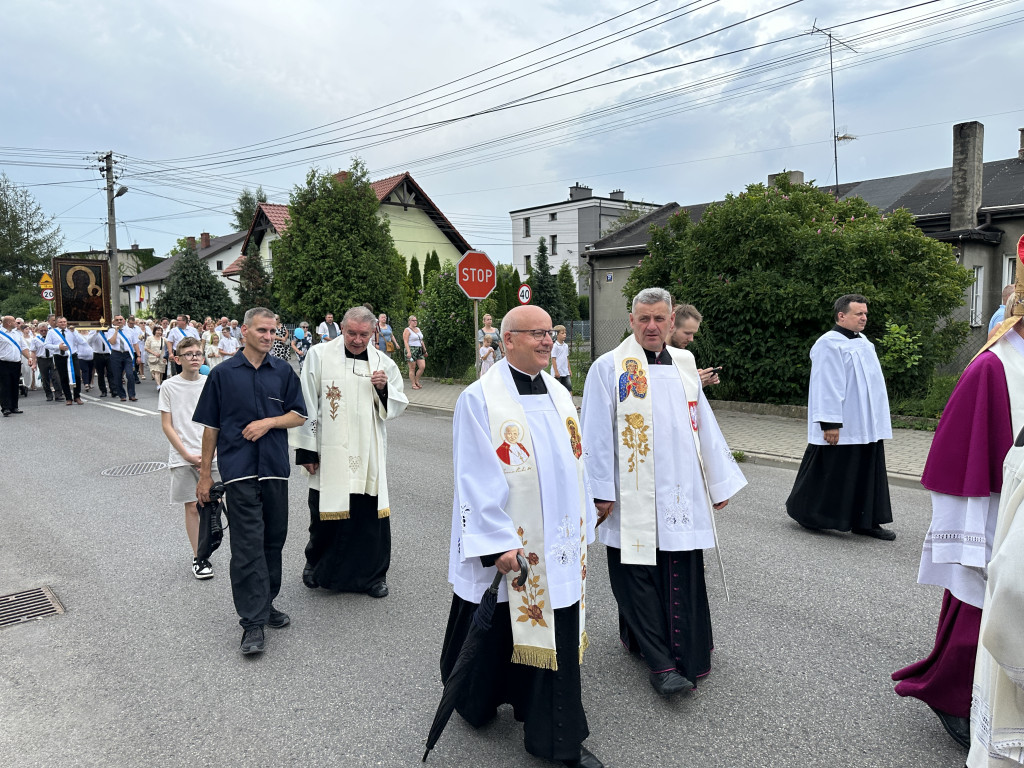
[{"x": 202, "y": 569}]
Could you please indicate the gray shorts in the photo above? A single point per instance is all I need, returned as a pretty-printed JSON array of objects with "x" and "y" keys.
[{"x": 183, "y": 483}]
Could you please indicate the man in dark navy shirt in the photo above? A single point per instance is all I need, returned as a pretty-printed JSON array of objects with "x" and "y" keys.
[{"x": 248, "y": 403}]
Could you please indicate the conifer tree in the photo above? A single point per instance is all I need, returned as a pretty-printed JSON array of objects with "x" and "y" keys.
[{"x": 544, "y": 286}]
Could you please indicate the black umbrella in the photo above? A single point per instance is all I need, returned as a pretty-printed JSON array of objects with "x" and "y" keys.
[
  {"x": 211, "y": 528},
  {"x": 482, "y": 619}
]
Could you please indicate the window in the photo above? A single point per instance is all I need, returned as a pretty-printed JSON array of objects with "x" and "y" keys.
[
  {"x": 526, "y": 227},
  {"x": 220, "y": 266},
  {"x": 977, "y": 318},
  {"x": 554, "y": 244},
  {"x": 552, "y": 217},
  {"x": 1010, "y": 273},
  {"x": 529, "y": 258}
]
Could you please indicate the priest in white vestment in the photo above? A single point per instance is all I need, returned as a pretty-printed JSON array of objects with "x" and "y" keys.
[
  {"x": 657, "y": 464},
  {"x": 520, "y": 489},
  {"x": 842, "y": 484},
  {"x": 350, "y": 390}
]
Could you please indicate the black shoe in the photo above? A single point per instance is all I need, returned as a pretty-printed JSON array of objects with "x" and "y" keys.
[
  {"x": 307, "y": 577},
  {"x": 17, "y": 410},
  {"x": 671, "y": 682},
  {"x": 103, "y": 394},
  {"x": 278, "y": 619},
  {"x": 587, "y": 759},
  {"x": 49, "y": 399},
  {"x": 380, "y": 589},
  {"x": 6, "y": 413},
  {"x": 252, "y": 641},
  {"x": 959, "y": 728},
  {"x": 876, "y": 533}
]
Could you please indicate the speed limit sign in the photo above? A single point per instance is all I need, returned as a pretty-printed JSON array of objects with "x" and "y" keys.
[
  {"x": 524, "y": 294},
  {"x": 47, "y": 294}
]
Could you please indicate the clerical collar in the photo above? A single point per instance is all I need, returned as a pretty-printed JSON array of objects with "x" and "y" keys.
[
  {"x": 364, "y": 355},
  {"x": 527, "y": 384},
  {"x": 846, "y": 332},
  {"x": 661, "y": 358}
]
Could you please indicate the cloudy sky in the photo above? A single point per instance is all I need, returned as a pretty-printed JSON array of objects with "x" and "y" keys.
[{"x": 491, "y": 106}]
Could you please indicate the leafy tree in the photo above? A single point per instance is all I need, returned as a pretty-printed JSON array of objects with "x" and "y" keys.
[
  {"x": 254, "y": 283},
  {"x": 447, "y": 323},
  {"x": 546, "y": 294},
  {"x": 583, "y": 307},
  {"x": 337, "y": 252},
  {"x": 764, "y": 268},
  {"x": 414, "y": 273},
  {"x": 192, "y": 289},
  {"x": 28, "y": 241},
  {"x": 628, "y": 216},
  {"x": 431, "y": 266},
  {"x": 569, "y": 293},
  {"x": 248, "y": 202}
]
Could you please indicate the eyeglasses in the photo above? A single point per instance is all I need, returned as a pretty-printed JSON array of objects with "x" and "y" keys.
[
  {"x": 191, "y": 355},
  {"x": 361, "y": 374},
  {"x": 538, "y": 335}
]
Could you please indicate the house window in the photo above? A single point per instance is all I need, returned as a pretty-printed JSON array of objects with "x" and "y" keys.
[
  {"x": 554, "y": 245},
  {"x": 529, "y": 259},
  {"x": 1010, "y": 273},
  {"x": 220, "y": 266},
  {"x": 977, "y": 318},
  {"x": 552, "y": 217},
  {"x": 526, "y": 227}
]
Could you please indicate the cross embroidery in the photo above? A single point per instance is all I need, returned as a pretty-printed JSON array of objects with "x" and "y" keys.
[{"x": 638, "y": 545}]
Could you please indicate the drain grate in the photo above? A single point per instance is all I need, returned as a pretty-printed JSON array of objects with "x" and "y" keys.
[
  {"x": 28, "y": 606},
  {"x": 128, "y": 470}
]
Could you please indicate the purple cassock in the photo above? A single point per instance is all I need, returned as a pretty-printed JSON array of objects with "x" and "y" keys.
[{"x": 965, "y": 460}]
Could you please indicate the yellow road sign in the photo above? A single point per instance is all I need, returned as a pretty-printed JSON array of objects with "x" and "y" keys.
[{"x": 46, "y": 282}]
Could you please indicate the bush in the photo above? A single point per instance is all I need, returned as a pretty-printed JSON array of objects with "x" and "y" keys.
[
  {"x": 931, "y": 405},
  {"x": 447, "y": 323}
]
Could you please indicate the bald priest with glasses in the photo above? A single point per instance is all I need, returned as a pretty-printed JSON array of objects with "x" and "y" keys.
[{"x": 351, "y": 389}]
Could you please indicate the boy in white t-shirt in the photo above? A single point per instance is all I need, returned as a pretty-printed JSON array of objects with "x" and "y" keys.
[
  {"x": 228, "y": 345},
  {"x": 178, "y": 398},
  {"x": 560, "y": 359}
]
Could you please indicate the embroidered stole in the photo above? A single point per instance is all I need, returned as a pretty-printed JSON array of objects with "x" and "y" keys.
[
  {"x": 634, "y": 415},
  {"x": 1011, "y": 355},
  {"x": 533, "y": 622},
  {"x": 348, "y": 451}
]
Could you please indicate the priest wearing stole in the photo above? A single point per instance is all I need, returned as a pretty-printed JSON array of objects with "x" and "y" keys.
[
  {"x": 657, "y": 464},
  {"x": 964, "y": 473},
  {"x": 842, "y": 484},
  {"x": 519, "y": 489},
  {"x": 350, "y": 390}
]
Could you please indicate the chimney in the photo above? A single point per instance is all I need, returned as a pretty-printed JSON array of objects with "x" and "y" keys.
[
  {"x": 135, "y": 246},
  {"x": 795, "y": 177},
  {"x": 191, "y": 242},
  {"x": 617, "y": 194},
  {"x": 577, "y": 192},
  {"x": 204, "y": 240},
  {"x": 1020, "y": 152},
  {"x": 968, "y": 165},
  {"x": 341, "y": 176}
]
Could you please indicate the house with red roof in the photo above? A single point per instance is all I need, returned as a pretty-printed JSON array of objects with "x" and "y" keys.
[{"x": 417, "y": 225}]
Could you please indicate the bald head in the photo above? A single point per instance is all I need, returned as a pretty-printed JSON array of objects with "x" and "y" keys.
[{"x": 523, "y": 351}]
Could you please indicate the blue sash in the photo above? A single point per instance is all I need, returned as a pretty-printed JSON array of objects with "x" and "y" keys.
[
  {"x": 71, "y": 361},
  {"x": 103, "y": 336},
  {"x": 17, "y": 346},
  {"x": 130, "y": 350}
]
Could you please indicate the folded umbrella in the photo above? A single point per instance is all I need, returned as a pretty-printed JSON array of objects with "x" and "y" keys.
[
  {"x": 211, "y": 526},
  {"x": 482, "y": 620}
]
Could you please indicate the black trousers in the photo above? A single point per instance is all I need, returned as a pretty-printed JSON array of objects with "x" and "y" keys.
[
  {"x": 258, "y": 517},
  {"x": 349, "y": 555},
  {"x": 122, "y": 371},
  {"x": 87, "y": 367},
  {"x": 10, "y": 380},
  {"x": 101, "y": 362},
  {"x": 45, "y": 367},
  {"x": 71, "y": 391}
]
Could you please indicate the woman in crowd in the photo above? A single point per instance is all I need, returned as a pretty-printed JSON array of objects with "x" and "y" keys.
[
  {"x": 301, "y": 346},
  {"x": 280, "y": 347},
  {"x": 155, "y": 355},
  {"x": 29, "y": 374},
  {"x": 489, "y": 330},
  {"x": 385, "y": 335},
  {"x": 415, "y": 351}
]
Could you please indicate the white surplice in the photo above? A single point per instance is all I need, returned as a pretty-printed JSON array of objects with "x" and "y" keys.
[
  {"x": 480, "y": 525},
  {"x": 847, "y": 387},
  {"x": 683, "y": 515}
]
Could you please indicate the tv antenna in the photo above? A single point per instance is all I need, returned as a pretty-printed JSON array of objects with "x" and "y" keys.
[{"x": 836, "y": 138}]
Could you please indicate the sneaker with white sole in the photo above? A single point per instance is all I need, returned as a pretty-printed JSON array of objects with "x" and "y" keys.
[{"x": 202, "y": 569}]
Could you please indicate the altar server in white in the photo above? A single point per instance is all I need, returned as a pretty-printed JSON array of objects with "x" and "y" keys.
[
  {"x": 520, "y": 489},
  {"x": 657, "y": 463},
  {"x": 350, "y": 390},
  {"x": 842, "y": 484}
]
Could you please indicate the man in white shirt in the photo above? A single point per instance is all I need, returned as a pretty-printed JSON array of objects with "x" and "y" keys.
[
  {"x": 44, "y": 360},
  {"x": 100, "y": 359},
  {"x": 12, "y": 350},
  {"x": 122, "y": 360},
  {"x": 63, "y": 347},
  {"x": 136, "y": 333},
  {"x": 228, "y": 345},
  {"x": 328, "y": 329},
  {"x": 176, "y": 334}
]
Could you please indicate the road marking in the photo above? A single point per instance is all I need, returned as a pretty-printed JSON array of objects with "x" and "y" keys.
[{"x": 132, "y": 409}]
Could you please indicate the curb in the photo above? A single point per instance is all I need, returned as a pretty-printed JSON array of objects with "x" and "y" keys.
[{"x": 899, "y": 479}]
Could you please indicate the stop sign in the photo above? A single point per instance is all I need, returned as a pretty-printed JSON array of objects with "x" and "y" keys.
[{"x": 476, "y": 274}]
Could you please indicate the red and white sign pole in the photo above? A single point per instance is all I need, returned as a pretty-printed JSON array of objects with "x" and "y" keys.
[{"x": 477, "y": 277}]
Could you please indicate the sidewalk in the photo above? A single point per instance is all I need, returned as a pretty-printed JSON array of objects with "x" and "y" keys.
[{"x": 773, "y": 440}]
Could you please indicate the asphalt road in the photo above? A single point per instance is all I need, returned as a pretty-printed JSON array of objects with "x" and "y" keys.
[{"x": 143, "y": 669}]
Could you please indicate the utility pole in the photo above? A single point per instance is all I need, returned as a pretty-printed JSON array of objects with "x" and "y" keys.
[
  {"x": 115, "y": 276},
  {"x": 836, "y": 138}
]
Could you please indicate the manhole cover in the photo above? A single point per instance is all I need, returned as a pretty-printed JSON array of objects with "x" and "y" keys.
[
  {"x": 28, "y": 606},
  {"x": 127, "y": 470}
]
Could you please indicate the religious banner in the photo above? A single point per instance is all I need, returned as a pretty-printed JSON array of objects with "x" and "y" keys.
[{"x": 82, "y": 291}]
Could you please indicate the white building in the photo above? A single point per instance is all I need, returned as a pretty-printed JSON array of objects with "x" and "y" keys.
[{"x": 568, "y": 226}]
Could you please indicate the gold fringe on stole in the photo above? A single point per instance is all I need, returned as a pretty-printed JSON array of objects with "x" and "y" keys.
[
  {"x": 343, "y": 515},
  {"x": 531, "y": 655},
  {"x": 382, "y": 513},
  {"x": 584, "y": 644}
]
